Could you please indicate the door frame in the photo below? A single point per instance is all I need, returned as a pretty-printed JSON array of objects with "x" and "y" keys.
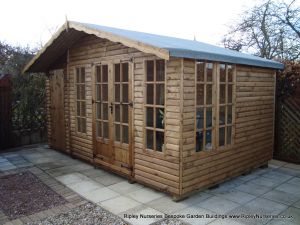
[{"x": 112, "y": 164}]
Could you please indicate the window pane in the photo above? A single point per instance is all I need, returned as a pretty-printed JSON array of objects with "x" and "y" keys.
[
  {"x": 125, "y": 113},
  {"x": 160, "y": 118},
  {"x": 208, "y": 94},
  {"x": 98, "y": 74},
  {"x": 125, "y": 134},
  {"x": 105, "y": 111},
  {"x": 159, "y": 141},
  {"x": 229, "y": 134},
  {"x": 83, "y": 125},
  {"x": 222, "y": 72},
  {"x": 229, "y": 93},
  {"x": 200, "y": 94},
  {"x": 78, "y": 91},
  {"x": 160, "y": 70},
  {"x": 199, "y": 141},
  {"x": 98, "y": 110},
  {"x": 98, "y": 92},
  {"x": 125, "y": 72},
  {"x": 160, "y": 94},
  {"x": 117, "y": 113},
  {"x": 199, "y": 118},
  {"x": 82, "y": 91},
  {"x": 150, "y": 70},
  {"x": 104, "y": 92},
  {"x": 209, "y": 71},
  {"x": 230, "y": 73},
  {"x": 222, "y": 136},
  {"x": 222, "y": 93},
  {"x": 117, "y": 72},
  {"x": 99, "y": 129},
  {"x": 149, "y": 117},
  {"x": 222, "y": 115},
  {"x": 208, "y": 117},
  {"x": 117, "y": 132},
  {"x": 125, "y": 93},
  {"x": 200, "y": 71},
  {"x": 149, "y": 139},
  {"x": 208, "y": 138},
  {"x": 104, "y": 73},
  {"x": 78, "y": 108},
  {"x": 78, "y": 124},
  {"x": 117, "y": 92},
  {"x": 105, "y": 130},
  {"x": 150, "y": 94},
  {"x": 82, "y": 109},
  {"x": 82, "y": 75},
  {"x": 77, "y": 75},
  {"x": 229, "y": 114}
]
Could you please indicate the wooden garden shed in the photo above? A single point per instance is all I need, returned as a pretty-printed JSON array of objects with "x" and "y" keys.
[{"x": 178, "y": 115}]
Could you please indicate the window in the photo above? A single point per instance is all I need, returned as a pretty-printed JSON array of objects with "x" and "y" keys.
[
  {"x": 102, "y": 109},
  {"x": 225, "y": 104},
  {"x": 204, "y": 106},
  {"x": 155, "y": 105},
  {"x": 80, "y": 100},
  {"x": 214, "y": 95}
]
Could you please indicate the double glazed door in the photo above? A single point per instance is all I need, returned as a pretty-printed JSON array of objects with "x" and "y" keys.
[{"x": 112, "y": 114}]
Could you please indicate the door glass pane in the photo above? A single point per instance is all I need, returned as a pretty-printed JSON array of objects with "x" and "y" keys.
[
  {"x": 199, "y": 118},
  {"x": 104, "y": 92},
  {"x": 222, "y": 73},
  {"x": 160, "y": 118},
  {"x": 77, "y": 75},
  {"x": 160, "y": 94},
  {"x": 149, "y": 117},
  {"x": 199, "y": 141},
  {"x": 200, "y": 94},
  {"x": 160, "y": 70},
  {"x": 222, "y": 115},
  {"x": 98, "y": 74},
  {"x": 150, "y": 94},
  {"x": 229, "y": 114},
  {"x": 159, "y": 141},
  {"x": 208, "y": 138},
  {"x": 125, "y": 72},
  {"x": 79, "y": 124},
  {"x": 229, "y": 93},
  {"x": 99, "y": 129},
  {"x": 230, "y": 73},
  {"x": 105, "y": 111},
  {"x": 117, "y": 92},
  {"x": 200, "y": 71},
  {"x": 125, "y": 93},
  {"x": 98, "y": 110},
  {"x": 125, "y": 134},
  {"x": 150, "y": 70},
  {"x": 105, "y": 130},
  {"x": 82, "y": 91},
  {"x": 82, "y": 75},
  {"x": 117, "y": 132},
  {"x": 222, "y": 136},
  {"x": 229, "y": 133},
  {"x": 208, "y": 117},
  {"x": 98, "y": 92},
  {"x": 104, "y": 73},
  {"x": 209, "y": 70},
  {"x": 82, "y": 108},
  {"x": 83, "y": 125},
  {"x": 149, "y": 139},
  {"x": 117, "y": 113},
  {"x": 78, "y": 91},
  {"x": 117, "y": 72},
  {"x": 208, "y": 94},
  {"x": 78, "y": 108},
  {"x": 125, "y": 114},
  {"x": 222, "y": 93}
]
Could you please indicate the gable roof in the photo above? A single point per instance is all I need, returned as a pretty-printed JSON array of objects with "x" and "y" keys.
[{"x": 161, "y": 46}]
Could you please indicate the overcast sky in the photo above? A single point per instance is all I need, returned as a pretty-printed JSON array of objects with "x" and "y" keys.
[{"x": 32, "y": 22}]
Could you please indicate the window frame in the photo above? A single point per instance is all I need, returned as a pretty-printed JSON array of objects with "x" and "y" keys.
[
  {"x": 76, "y": 84},
  {"x": 153, "y": 106}
]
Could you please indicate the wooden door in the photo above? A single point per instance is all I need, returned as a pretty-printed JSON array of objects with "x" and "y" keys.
[
  {"x": 112, "y": 117},
  {"x": 57, "y": 115}
]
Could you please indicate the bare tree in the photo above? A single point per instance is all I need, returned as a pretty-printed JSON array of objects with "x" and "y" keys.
[{"x": 270, "y": 30}]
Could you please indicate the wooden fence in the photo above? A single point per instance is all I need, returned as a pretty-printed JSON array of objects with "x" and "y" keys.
[{"x": 287, "y": 141}]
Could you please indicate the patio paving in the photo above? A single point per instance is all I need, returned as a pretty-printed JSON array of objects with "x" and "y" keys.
[{"x": 266, "y": 196}]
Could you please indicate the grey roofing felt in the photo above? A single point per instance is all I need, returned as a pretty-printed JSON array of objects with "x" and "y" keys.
[{"x": 178, "y": 47}]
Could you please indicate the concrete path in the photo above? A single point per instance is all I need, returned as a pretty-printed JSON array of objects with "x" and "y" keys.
[{"x": 265, "y": 193}]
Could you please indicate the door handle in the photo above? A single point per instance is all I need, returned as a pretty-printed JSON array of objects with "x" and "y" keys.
[{"x": 111, "y": 106}]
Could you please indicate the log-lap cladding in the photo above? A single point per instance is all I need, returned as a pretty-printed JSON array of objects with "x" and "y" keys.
[{"x": 178, "y": 115}]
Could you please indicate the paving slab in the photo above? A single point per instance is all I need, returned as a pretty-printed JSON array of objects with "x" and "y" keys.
[
  {"x": 92, "y": 173},
  {"x": 100, "y": 194},
  {"x": 72, "y": 178},
  {"x": 167, "y": 205},
  {"x": 253, "y": 189},
  {"x": 197, "y": 215},
  {"x": 294, "y": 212},
  {"x": 218, "y": 204},
  {"x": 145, "y": 195},
  {"x": 119, "y": 204},
  {"x": 266, "y": 181},
  {"x": 84, "y": 187},
  {"x": 289, "y": 188},
  {"x": 109, "y": 179},
  {"x": 125, "y": 187},
  {"x": 277, "y": 175},
  {"x": 295, "y": 181},
  {"x": 225, "y": 222},
  {"x": 281, "y": 197},
  {"x": 297, "y": 204},
  {"x": 237, "y": 196}
]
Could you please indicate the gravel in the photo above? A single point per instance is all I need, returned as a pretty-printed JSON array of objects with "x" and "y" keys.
[{"x": 87, "y": 214}]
